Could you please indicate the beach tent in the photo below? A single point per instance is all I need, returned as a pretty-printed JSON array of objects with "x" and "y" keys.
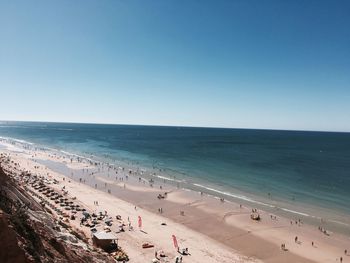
[{"x": 103, "y": 239}]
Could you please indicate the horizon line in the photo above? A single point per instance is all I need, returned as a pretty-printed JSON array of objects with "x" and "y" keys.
[{"x": 177, "y": 126}]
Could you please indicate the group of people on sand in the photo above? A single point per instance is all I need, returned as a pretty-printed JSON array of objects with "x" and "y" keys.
[
  {"x": 273, "y": 217},
  {"x": 81, "y": 180},
  {"x": 297, "y": 222},
  {"x": 283, "y": 246},
  {"x": 183, "y": 252},
  {"x": 324, "y": 231},
  {"x": 345, "y": 253},
  {"x": 296, "y": 240}
]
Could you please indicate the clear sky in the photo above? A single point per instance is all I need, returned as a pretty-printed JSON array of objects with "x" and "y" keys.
[{"x": 256, "y": 64}]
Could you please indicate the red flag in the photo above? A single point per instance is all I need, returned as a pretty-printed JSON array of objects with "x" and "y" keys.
[
  {"x": 175, "y": 242},
  {"x": 140, "y": 222}
]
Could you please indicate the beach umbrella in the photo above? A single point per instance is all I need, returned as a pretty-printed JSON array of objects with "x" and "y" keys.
[
  {"x": 175, "y": 242},
  {"x": 140, "y": 222}
]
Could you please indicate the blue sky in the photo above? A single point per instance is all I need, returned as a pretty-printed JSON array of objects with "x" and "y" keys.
[{"x": 255, "y": 64}]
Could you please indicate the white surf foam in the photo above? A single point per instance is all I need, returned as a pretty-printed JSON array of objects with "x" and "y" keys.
[{"x": 168, "y": 179}]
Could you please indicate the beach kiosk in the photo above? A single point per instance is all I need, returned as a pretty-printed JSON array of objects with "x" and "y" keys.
[{"x": 105, "y": 240}]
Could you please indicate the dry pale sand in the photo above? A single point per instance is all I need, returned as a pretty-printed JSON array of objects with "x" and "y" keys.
[{"x": 213, "y": 231}]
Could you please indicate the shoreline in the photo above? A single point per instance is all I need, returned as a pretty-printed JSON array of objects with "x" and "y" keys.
[
  {"x": 201, "y": 247},
  {"x": 310, "y": 214},
  {"x": 233, "y": 227}
]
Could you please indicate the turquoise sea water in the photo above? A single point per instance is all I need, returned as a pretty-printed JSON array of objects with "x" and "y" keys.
[{"x": 302, "y": 173}]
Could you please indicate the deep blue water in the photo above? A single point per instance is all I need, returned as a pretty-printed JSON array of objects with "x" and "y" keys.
[{"x": 297, "y": 168}]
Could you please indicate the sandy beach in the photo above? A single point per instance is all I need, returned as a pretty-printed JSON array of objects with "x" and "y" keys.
[{"x": 213, "y": 230}]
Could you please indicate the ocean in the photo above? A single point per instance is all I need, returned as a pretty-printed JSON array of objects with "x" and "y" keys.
[{"x": 293, "y": 173}]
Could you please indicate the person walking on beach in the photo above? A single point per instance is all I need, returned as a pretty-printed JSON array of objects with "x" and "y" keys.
[{"x": 296, "y": 239}]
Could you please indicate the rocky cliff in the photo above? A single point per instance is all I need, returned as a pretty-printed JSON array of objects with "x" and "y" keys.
[{"x": 29, "y": 233}]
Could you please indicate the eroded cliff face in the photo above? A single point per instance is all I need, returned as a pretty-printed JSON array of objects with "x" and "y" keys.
[
  {"x": 10, "y": 249},
  {"x": 29, "y": 233}
]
